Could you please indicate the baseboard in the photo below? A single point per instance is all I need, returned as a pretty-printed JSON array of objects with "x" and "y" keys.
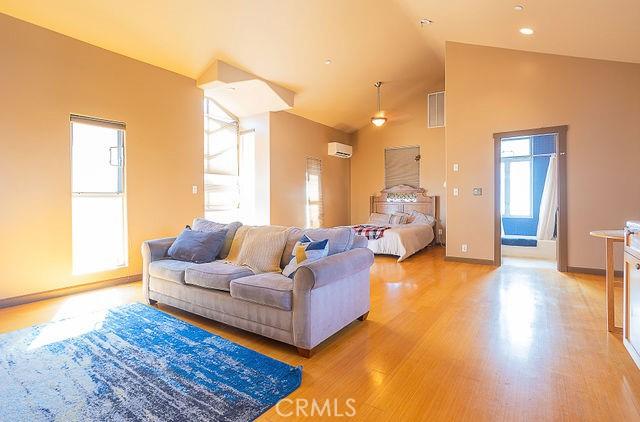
[
  {"x": 50, "y": 294},
  {"x": 593, "y": 271},
  {"x": 469, "y": 260}
]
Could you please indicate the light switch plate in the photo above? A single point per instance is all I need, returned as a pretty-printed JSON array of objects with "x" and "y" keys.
[
  {"x": 194, "y": 189},
  {"x": 456, "y": 192},
  {"x": 456, "y": 167}
]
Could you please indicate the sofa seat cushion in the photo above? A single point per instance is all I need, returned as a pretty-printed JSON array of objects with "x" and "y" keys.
[
  {"x": 170, "y": 269},
  {"x": 270, "y": 289},
  {"x": 215, "y": 275}
]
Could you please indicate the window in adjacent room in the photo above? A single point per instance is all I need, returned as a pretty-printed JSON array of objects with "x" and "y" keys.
[
  {"x": 516, "y": 181},
  {"x": 99, "y": 230},
  {"x": 402, "y": 166},
  {"x": 315, "y": 213},
  {"x": 221, "y": 164}
]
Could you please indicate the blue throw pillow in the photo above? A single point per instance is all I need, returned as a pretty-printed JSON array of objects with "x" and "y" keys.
[{"x": 196, "y": 246}]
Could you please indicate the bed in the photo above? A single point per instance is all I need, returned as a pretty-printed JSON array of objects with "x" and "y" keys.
[{"x": 403, "y": 240}]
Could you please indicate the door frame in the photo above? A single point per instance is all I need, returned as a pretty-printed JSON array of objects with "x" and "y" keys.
[{"x": 561, "y": 154}]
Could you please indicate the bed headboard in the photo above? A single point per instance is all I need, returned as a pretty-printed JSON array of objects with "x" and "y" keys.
[{"x": 403, "y": 198}]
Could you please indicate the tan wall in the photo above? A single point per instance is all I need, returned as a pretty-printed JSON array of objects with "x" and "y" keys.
[
  {"x": 44, "y": 77},
  {"x": 407, "y": 127},
  {"x": 493, "y": 90},
  {"x": 293, "y": 139}
]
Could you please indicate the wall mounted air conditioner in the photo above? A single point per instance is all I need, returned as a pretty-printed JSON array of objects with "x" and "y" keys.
[{"x": 336, "y": 149}]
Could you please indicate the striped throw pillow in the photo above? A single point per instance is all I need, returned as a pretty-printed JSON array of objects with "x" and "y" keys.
[
  {"x": 398, "y": 219},
  {"x": 305, "y": 251}
]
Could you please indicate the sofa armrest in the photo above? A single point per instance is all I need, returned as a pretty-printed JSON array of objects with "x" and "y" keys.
[
  {"x": 332, "y": 268},
  {"x": 360, "y": 242},
  {"x": 153, "y": 250}
]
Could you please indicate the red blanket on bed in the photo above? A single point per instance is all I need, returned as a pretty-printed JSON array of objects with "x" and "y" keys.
[{"x": 370, "y": 232}]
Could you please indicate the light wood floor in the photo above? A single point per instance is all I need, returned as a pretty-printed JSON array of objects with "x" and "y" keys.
[{"x": 446, "y": 341}]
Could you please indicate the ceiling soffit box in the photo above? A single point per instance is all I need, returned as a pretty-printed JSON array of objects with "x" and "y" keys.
[{"x": 243, "y": 93}]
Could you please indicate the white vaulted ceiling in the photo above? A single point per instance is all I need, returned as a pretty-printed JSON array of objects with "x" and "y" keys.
[{"x": 287, "y": 41}]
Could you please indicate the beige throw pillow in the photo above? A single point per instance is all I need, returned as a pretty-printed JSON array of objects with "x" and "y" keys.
[
  {"x": 238, "y": 239},
  {"x": 262, "y": 250}
]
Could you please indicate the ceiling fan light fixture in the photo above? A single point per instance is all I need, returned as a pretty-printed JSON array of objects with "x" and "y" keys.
[{"x": 378, "y": 119}]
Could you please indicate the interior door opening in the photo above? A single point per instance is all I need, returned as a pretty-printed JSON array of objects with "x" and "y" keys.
[{"x": 530, "y": 189}]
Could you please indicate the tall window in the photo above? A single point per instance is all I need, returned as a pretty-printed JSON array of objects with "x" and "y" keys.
[
  {"x": 516, "y": 181},
  {"x": 315, "y": 213},
  {"x": 221, "y": 164},
  {"x": 99, "y": 235}
]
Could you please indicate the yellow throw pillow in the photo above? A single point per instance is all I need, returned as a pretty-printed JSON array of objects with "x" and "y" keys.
[{"x": 262, "y": 250}]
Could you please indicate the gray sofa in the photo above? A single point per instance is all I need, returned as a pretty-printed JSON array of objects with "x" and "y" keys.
[{"x": 323, "y": 297}]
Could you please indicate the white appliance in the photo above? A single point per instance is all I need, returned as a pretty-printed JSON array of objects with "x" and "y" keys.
[{"x": 336, "y": 149}]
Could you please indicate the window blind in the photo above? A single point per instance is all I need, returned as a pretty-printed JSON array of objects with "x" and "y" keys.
[
  {"x": 402, "y": 166},
  {"x": 221, "y": 163},
  {"x": 315, "y": 206}
]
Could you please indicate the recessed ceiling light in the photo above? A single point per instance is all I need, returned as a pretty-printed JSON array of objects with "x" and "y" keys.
[
  {"x": 519, "y": 7},
  {"x": 327, "y": 61},
  {"x": 526, "y": 31},
  {"x": 425, "y": 21}
]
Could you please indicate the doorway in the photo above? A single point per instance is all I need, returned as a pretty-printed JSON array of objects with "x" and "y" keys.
[{"x": 530, "y": 197}]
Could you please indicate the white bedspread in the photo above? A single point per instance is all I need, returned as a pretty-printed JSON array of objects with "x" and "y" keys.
[{"x": 403, "y": 240}]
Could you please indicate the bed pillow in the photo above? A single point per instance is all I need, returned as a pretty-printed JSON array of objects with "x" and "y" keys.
[
  {"x": 379, "y": 219},
  {"x": 196, "y": 246},
  {"x": 399, "y": 218},
  {"x": 261, "y": 250},
  {"x": 304, "y": 252},
  {"x": 420, "y": 218}
]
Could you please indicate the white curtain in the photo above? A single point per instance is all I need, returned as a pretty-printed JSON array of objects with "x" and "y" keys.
[{"x": 549, "y": 202}]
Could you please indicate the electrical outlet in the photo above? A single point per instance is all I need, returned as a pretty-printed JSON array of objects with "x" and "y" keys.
[
  {"x": 477, "y": 191},
  {"x": 464, "y": 247},
  {"x": 456, "y": 192},
  {"x": 440, "y": 232},
  {"x": 194, "y": 189}
]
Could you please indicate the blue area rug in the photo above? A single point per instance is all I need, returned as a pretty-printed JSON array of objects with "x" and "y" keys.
[{"x": 135, "y": 363}]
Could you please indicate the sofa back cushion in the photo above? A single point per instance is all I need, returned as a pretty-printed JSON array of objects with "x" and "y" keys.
[
  {"x": 262, "y": 250},
  {"x": 204, "y": 225},
  {"x": 196, "y": 246}
]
